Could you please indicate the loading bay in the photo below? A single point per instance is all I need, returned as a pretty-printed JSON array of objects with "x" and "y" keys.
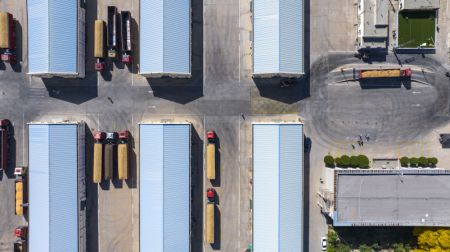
[{"x": 222, "y": 96}]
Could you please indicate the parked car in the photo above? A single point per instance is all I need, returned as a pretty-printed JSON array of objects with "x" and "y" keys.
[{"x": 323, "y": 243}]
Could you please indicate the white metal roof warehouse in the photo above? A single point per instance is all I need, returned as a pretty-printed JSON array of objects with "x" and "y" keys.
[
  {"x": 56, "y": 188},
  {"x": 164, "y": 187},
  {"x": 277, "y": 187},
  {"x": 56, "y": 38},
  {"x": 278, "y": 38},
  {"x": 165, "y": 38}
]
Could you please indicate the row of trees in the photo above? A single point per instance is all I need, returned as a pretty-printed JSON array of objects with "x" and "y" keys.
[
  {"x": 345, "y": 161},
  {"x": 416, "y": 162},
  {"x": 432, "y": 239}
]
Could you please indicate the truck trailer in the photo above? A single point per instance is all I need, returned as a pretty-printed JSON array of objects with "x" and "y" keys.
[
  {"x": 99, "y": 42},
  {"x": 210, "y": 222},
  {"x": 122, "y": 154},
  {"x": 111, "y": 142},
  {"x": 19, "y": 196},
  {"x": 384, "y": 73},
  {"x": 98, "y": 157},
  {"x": 112, "y": 32},
  {"x": 211, "y": 156},
  {"x": 126, "y": 37},
  {"x": 7, "y": 36}
]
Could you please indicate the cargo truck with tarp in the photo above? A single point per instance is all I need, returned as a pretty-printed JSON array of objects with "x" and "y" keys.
[
  {"x": 126, "y": 37},
  {"x": 19, "y": 189},
  {"x": 99, "y": 42},
  {"x": 211, "y": 156},
  {"x": 122, "y": 154},
  {"x": 210, "y": 208},
  {"x": 384, "y": 73},
  {"x": 7, "y": 37},
  {"x": 97, "y": 167},
  {"x": 110, "y": 151},
  {"x": 112, "y": 32}
]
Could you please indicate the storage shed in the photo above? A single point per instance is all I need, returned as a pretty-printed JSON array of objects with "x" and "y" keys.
[
  {"x": 278, "y": 38},
  {"x": 57, "y": 189},
  {"x": 164, "y": 187},
  {"x": 278, "y": 187},
  {"x": 56, "y": 38},
  {"x": 165, "y": 38}
]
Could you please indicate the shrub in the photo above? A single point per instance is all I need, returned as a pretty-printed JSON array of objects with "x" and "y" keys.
[
  {"x": 363, "y": 161},
  {"x": 404, "y": 161},
  {"x": 423, "y": 161},
  {"x": 413, "y": 162},
  {"x": 432, "y": 161},
  {"x": 338, "y": 162},
  {"x": 343, "y": 248},
  {"x": 399, "y": 247},
  {"x": 365, "y": 248},
  {"x": 376, "y": 247},
  {"x": 354, "y": 161},
  {"x": 345, "y": 160},
  {"x": 329, "y": 161}
]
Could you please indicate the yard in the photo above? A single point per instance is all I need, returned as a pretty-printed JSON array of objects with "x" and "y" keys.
[{"x": 416, "y": 29}]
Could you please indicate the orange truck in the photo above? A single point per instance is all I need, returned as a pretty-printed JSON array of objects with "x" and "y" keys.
[{"x": 384, "y": 73}]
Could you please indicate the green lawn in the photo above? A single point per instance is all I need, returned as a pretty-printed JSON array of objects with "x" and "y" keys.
[{"x": 416, "y": 28}]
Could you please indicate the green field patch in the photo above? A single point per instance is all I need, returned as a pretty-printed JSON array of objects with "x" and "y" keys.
[{"x": 416, "y": 29}]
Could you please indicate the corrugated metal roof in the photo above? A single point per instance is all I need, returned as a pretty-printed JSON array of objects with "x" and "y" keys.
[
  {"x": 52, "y": 36},
  {"x": 278, "y": 37},
  {"x": 53, "y": 188},
  {"x": 164, "y": 187},
  {"x": 277, "y": 187},
  {"x": 165, "y": 37}
]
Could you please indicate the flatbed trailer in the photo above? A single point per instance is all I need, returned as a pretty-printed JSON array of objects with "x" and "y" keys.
[
  {"x": 112, "y": 32},
  {"x": 126, "y": 37}
]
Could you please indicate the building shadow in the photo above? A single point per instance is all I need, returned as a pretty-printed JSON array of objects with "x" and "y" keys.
[
  {"x": 373, "y": 55},
  {"x": 185, "y": 90},
  {"x": 91, "y": 195},
  {"x": 216, "y": 182},
  {"x": 17, "y": 66},
  {"x": 217, "y": 229},
  {"x": 306, "y": 197},
  {"x": 74, "y": 90},
  {"x": 415, "y": 50},
  {"x": 196, "y": 192},
  {"x": 132, "y": 163},
  {"x": 383, "y": 236}
]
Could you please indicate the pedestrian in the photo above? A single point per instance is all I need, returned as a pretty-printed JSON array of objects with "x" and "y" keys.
[
  {"x": 367, "y": 137},
  {"x": 353, "y": 146}
]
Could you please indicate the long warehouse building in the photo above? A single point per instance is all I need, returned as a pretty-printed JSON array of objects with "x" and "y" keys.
[
  {"x": 278, "y": 38},
  {"x": 57, "y": 218},
  {"x": 164, "y": 155},
  {"x": 56, "y": 38},
  {"x": 278, "y": 187},
  {"x": 165, "y": 38}
]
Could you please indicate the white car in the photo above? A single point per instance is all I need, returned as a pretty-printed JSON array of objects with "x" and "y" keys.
[{"x": 323, "y": 243}]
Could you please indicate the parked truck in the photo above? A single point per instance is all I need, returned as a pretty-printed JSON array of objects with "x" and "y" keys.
[
  {"x": 20, "y": 246},
  {"x": 211, "y": 156},
  {"x": 19, "y": 196},
  {"x": 112, "y": 32},
  {"x": 7, "y": 37},
  {"x": 122, "y": 154},
  {"x": 210, "y": 205},
  {"x": 99, "y": 50},
  {"x": 97, "y": 167},
  {"x": 385, "y": 73},
  {"x": 110, "y": 145},
  {"x": 5, "y": 133},
  {"x": 126, "y": 37}
]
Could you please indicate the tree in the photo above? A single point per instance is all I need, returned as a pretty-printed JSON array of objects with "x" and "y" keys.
[
  {"x": 376, "y": 247},
  {"x": 343, "y": 248},
  {"x": 363, "y": 161},
  {"x": 432, "y": 162},
  {"x": 329, "y": 161},
  {"x": 345, "y": 160},
  {"x": 404, "y": 161},
  {"x": 354, "y": 161},
  {"x": 365, "y": 248},
  {"x": 413, "y": 161},
  {"x": 399, "y": 247},
  {"x": 434, "y": 239},
  {"x": 338, "y": 162},
  {"x": 423, "y": 162}
]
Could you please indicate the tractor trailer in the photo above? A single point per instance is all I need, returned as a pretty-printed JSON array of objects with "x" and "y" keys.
[
  {"x": 19, "y": 197},
  {"x": 211, "y": 156},
  {"x": 122, "y": 155},
  {"x": 99, "y": 51},
  {"x": 126, "y": 37},
  {"x": 111, "y": 142},
  {"x": 98, "y": 156},
  {"x": 211, "y": 196},
  {"x": 112, "y": 32},
  {"x": 384, "y": 73},
  {"x": 7, "y": 35}
]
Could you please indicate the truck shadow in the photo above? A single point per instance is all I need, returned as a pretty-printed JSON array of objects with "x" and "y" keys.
[
  {"x": 216, "y": 182},
  {"x": 17, "y": 66},
  {"x": 217, "y": 230},
  {"x": 9, "y": 170},
  {"x": 132, "y": 164},
  {"x": 196, "y": 192}
]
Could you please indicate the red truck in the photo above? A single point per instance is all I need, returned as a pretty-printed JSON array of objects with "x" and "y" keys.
[
  {"x": 7, "y": 34},
  {"x": 5, "y": 132},
  {"x": 126, "y": 37}
]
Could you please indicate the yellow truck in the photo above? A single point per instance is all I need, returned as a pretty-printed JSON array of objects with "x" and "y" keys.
[
  {"x": 97, "y": 166},
  {"x": 210, "y": 222},
  {"x": 384, "y": 73},
  {"x": 211, "y": 156},
  {"x": 99, "y": 43},
  {"x": 122, "y": 155},
  {"x": 19, "y": 196}
]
